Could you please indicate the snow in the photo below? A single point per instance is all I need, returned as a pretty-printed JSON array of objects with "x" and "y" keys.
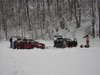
[{"x": 51, "y": 61}]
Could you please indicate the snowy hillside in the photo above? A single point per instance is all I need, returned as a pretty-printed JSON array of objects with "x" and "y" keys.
[{"x": 51, "y": 61}]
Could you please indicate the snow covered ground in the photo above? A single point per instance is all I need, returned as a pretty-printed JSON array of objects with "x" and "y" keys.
[{"x": 51, "y": 61}]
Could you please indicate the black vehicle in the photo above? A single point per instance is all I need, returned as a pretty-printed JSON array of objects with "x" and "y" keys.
[
  {"x": 60, "y": 43},
  {"x": 69, "y": 42},
  {"x": 64, "y": 42}
]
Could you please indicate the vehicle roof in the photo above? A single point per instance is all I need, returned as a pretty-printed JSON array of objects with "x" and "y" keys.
[
  {"x": 68, "y": 39},
  {"x": 58, "y": 36},
  {"x": 16, "y": 36}
]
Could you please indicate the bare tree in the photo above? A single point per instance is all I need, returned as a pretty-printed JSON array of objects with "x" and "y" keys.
[
  {"x": 93, "y": 17},
  {"x": 28, "y": 16},
  {"x": 75, "y": 9},
  {"x": 49, "y": 2},
  {"x": 4, "y": 18},
  {"x": 38, "y": 17},
  {"x": 38, "y": 8},
  {"x": 98, "y": 3}
]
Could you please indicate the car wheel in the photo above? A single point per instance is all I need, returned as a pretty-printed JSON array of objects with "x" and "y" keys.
[
  {"x": 18, "y": 47},
  {"x": 43, "y": 48}
]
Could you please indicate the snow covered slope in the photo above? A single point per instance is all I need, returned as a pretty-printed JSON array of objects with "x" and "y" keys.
[{"x": 52, "y": 61}]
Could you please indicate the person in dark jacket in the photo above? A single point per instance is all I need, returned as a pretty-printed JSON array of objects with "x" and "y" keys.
[
  {"x": 74, "y": 42},
  {"x": 87, "y": 41},
  {"x": 11, "y": 42}
]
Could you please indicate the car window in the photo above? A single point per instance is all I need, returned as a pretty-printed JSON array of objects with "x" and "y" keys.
[
  {"x": 33, "y": 41},
  {"x": 59, "y": 39},
  {"x": 67, "y": 39}
]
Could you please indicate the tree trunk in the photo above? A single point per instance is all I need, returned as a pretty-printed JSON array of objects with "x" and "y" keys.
[
  {"x": 38, "y": 8},
  {"x": 28, "y": 16},
  {"x": 75, "y": 9},
  {"x": 99, "y": 20},
  {"x": 4, "y": 17},
  {"x": 93, "y": 18},
  {"x": 98, "y": 1}
]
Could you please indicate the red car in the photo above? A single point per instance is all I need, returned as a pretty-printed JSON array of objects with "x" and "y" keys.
[
  {"x": 38, "y": 45},
  {"x": 29, "y": 44},
  {"x": 24, "y": 45}
]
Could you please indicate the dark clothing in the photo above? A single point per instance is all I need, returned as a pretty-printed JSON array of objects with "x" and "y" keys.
[
  {"x": 74, "y": 43},
  {"x": 11, "y": 42},
  {"x": 86, "y": 36},
  {"x": 15, "y": 44},
  {"x": 87, "y": 41},
  {"x": 10, "y": 39}
]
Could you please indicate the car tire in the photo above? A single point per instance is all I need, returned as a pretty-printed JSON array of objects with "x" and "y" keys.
[{"x": 43, "y": 48}]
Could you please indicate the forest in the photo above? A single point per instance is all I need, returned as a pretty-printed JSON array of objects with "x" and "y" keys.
[{"x": 42, "y": 19}]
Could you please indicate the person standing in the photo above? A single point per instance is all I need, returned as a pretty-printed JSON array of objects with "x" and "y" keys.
[
  {"x": 87, "y": 41},
  {"x": 11, "y": 42}
]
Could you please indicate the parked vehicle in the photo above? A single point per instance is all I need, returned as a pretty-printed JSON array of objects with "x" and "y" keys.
[
  {"x": 69, "y": 42},
  {"x": 24, "y": 44},
  {"x": 61, "y": 42},
  {"x": 37, "y": 44},
  {"x": 29, "y": 44}
]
